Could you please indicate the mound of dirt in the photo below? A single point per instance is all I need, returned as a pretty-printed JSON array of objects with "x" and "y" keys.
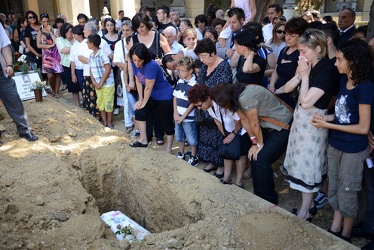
[{"x": 53, "y": 191}]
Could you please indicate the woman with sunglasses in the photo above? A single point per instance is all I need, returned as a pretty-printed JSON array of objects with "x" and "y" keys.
[
  {"x": 64, "y": 44},
  {"x": 306, "y": 159},
  {"x": 51, "y": 63},
  {"x": 287, "y": 60},
  {"x": 31, "y": 32},
  {"x": 278, "y": 41}
]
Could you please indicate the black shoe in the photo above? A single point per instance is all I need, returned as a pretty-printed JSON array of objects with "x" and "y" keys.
[
  {"x": 360, "y": 231},
  {"x": 29, "y": 136}
]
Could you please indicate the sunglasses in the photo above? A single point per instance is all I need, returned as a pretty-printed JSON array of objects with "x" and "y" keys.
[
  {"x": 44, "y": 15},
  {"x": 31, "y": 17},
  {"x": 281, "y": 32},
  {"x": 307, "y": 34}
]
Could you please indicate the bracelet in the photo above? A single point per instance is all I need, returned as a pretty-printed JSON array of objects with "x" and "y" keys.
[
  {"x": 10, "y": 65},
  {"x": 253, "y": 138}
]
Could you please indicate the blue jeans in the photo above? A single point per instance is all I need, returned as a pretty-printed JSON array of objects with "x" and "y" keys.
[
  {"x": 275, "y": 144},
  {"x": 369, "y": 216},
  {"x": 186, "y": 130}
]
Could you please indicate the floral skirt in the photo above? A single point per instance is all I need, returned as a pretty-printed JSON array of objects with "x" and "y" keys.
[
  {"x": 89, "y": 97},
  {"x": 306, "y": 156}
]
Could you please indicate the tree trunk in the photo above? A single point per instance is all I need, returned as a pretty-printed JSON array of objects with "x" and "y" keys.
[
  {"x": 262, "y": 7},
  {"x": 370, "y": 33}
]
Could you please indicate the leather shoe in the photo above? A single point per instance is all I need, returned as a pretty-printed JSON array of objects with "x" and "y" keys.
[
  {"x": 29, "y": 136},
  {"x": 360, "y": 231}
]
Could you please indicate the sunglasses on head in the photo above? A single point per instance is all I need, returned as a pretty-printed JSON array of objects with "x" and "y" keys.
[
  {"x": 307, "y": 34},
  {"x": 44, "y": 15},
  {"x": 281, "y": 32},
  {"x": 108, "y": 19}
]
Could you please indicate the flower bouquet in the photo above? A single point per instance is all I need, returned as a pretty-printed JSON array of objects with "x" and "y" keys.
[
  {"x": 35, "y": 86},
  {"x": 21, "y": 65}
]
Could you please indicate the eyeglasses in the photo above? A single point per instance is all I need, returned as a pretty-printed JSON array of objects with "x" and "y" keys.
[
  {"x": 199, "y": 105},
  {"x": 203, "y": 56},
  {"x": 31, "y": 17},
  {"x": 281, "y": 32}
]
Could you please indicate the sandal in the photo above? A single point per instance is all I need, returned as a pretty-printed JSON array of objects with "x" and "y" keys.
[
  {"x": 210, "y": 169},
  {"x": 219, "y": 176},
  {"x": 226, "y": 182},
  {"x": 129, "y": 129},
  {"x": 241, "y": 186},
  {"x": 160, "y": 141},
  {"x": 138, "y": 144}
]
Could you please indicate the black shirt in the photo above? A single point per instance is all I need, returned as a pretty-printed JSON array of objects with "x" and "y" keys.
[{"x": 251, "y": 78}]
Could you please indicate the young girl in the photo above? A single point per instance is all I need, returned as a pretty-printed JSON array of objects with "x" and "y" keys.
[
  {"x": 51, "y": 64},
  {"x": 350, "y": 126},
  {"x": 278, "y": 41}
]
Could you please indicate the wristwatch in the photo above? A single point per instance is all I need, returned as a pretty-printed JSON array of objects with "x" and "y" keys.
[{"x": 10, "y": 65}]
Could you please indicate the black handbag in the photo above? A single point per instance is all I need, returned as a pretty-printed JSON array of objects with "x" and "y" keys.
[
  {"x": 230, "y": 151},
  {"x": 202, "y": 118}
]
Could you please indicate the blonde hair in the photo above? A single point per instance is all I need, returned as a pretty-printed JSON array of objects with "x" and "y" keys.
[
  {"x": 189, "y": 31},
  {"x": 188, "y": 62},
  {"x": 313, "y": 38}
]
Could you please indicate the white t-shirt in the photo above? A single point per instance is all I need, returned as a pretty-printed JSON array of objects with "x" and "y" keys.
[
  {"x": 267, "y": 31},
  {"x": 229, "y": 118},
  {"x": 118, "y": 52},
  {"x": 86, "y": 52},
  {"x": 73, "y": 57},
  {"x": 4, "y": 41}
]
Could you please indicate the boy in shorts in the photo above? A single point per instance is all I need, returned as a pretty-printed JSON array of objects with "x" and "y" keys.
[
  {"x": 103, "y": 80},
  {"x": 185, "y": 126}
]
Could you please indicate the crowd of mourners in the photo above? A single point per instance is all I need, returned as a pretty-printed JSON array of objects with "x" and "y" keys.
[{"x": 299, "y": 91}]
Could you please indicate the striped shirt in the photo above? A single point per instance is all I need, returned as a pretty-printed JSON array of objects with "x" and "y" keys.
[
  {"x": 97, "y": 63},
  {"x": 181, "y": 93}
]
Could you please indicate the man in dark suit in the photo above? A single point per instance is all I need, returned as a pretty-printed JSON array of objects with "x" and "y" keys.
[{"x": 346, "y": 26}]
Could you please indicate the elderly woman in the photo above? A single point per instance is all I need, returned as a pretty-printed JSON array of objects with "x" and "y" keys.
[
  {"x": 287, "y": 60},
  {"x": 64, "y": 44},
  {"x": 229, "y": 125},
  {"x": 155, "y": 93},
  {"x": 214, "y": 70},
  {"x": 306, "y": 158},
  {"x": 266, "y": 121},
  {"x": 250, "y": 66}
]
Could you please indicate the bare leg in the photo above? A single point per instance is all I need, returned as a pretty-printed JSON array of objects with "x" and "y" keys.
[
  {"x": 227, "y": 169},
  {"x": 347, "y": 226},
  {"x": 307, "y": 199},
  {"x": 241, "y": 164},
  {"x": 104, "y": 118},
  {"x": 143, "y": 134},
  {"x": 76, "y": 98},
  {"x": 220, "y": 170},
  {"x": 336, "y": 222},
  {"x": 57, "y": 78},
  {"x": 193, "y": 150},
  {"x": 169, "y": 143},
  {"x": 181, "y": 147},
  {"x": 51, "y": 81},
  {"x": 109, "y": 116}
]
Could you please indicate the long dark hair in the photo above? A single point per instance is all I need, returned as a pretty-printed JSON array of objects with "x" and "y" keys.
[
  {"x": 33, "y": 14},
  {"x": 141, "y": 51},
  {"x": 227, "y": 95},
  {"x": 360, "y": 57}
]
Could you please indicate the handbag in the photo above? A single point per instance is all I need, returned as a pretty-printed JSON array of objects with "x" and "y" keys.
[
  {"x": 231, "y": 150},
  {"x": 202, "y": 118}
]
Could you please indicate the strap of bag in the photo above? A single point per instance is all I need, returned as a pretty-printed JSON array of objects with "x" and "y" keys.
[
  {"x": 123, "y": 48},
  {"x": 157, "y": 43},
  {"x": 275, "y": 122}
]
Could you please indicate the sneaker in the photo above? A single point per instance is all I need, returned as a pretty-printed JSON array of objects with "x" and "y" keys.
[
  {"x": 116, "y": 111},
  {"x": 193, "y": 161},
  {"x": 181, "y": 156},
  {"x": 136, "y": 133},
  {"x": 188, "y": 153},
  {"x": 321, "y": 200},
  {"x": 29, "y": 136}
]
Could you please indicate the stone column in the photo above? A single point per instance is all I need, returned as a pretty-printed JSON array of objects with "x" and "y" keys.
[
  {"x": 71, "y": 8},
  {"x": 129, "y": 6}
]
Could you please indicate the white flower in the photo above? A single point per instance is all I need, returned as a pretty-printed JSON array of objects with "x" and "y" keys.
[{"x": 22, "y": 59}]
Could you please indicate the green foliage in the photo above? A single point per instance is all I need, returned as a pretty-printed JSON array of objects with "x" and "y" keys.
[{"x": 304, "y": 5}]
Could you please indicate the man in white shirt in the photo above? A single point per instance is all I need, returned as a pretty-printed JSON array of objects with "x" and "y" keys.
[
  {"x": 170, "y": 34},
  {"x": 274, "y": 10},
  {"x": 121, "y": 14},
  {"x": 8, "y": 90}
]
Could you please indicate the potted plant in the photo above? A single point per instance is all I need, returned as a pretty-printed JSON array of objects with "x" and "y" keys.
[{"x": 38, "y": 87}]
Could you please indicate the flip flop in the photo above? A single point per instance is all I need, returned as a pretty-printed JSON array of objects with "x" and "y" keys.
[
  {"x": 160, "y": 141},
  {"x": 226, "y": 182},
  {"x": 138, "y": 144}
]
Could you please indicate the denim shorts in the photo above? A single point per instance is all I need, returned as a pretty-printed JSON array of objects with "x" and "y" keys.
[{"x": 186, "y": 130}]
